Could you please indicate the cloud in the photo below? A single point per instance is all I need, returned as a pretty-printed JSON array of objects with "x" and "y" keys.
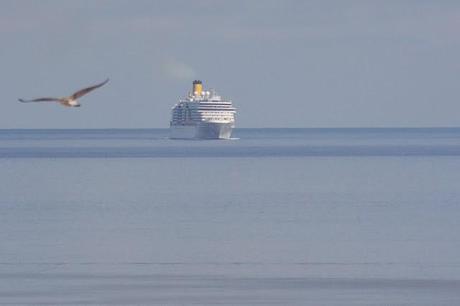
[{"x": 177, "y": 70}]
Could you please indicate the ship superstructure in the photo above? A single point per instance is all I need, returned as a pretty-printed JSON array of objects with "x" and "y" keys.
[{"x": 202, "y": 115}]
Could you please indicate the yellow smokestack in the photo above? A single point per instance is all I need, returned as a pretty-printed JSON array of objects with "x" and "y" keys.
[{"x": 197, "y": 88}]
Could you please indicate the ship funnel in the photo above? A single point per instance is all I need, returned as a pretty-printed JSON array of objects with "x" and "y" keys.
[{"x": 197, "y": 88}]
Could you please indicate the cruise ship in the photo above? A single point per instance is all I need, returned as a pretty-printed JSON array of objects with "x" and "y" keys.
[{"x": 202, "y": 115}]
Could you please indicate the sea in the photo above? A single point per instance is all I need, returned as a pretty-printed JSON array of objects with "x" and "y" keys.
[{"x": 357, "y": 216}]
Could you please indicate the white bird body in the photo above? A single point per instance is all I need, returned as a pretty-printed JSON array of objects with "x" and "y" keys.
[
  {"x": 70, "y": 101},
  {"x": 73, "y": 102}
]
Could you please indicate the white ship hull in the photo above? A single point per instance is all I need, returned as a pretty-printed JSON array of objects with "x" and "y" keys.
[
  {"x": 208, "y": 130},
  {"x": 202, "y": 115}
]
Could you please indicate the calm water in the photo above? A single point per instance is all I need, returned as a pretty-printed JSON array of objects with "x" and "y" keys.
[{"x": 273, "y": 217}]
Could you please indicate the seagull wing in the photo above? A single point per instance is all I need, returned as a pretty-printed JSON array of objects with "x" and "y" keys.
[
  {"x": 84, "y": 91},
  {"x": 40, "y": 100}
]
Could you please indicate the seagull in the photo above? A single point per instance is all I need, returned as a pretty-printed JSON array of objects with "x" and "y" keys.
[{"x": 70, "y": 101}]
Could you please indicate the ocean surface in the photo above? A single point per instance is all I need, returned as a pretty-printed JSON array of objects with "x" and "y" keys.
[{"x": 271, "y": 217}]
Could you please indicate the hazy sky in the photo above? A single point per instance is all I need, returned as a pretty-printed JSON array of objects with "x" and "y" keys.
[{"x": 283, "y": 63}]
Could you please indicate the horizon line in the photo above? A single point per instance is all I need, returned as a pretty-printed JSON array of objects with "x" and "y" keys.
[{"x": 248, "y": 128}]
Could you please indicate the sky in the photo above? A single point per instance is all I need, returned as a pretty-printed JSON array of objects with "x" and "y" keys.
[{"x": 283, "y": 63}]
